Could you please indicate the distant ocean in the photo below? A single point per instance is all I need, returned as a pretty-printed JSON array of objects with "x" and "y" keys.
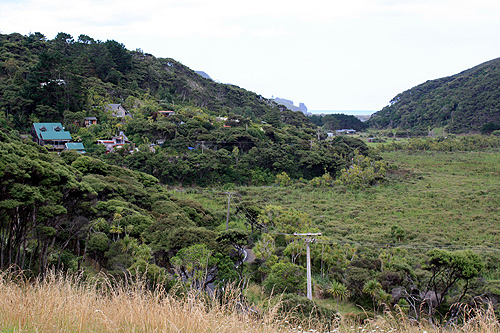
[{"x": 347, "y": 112}]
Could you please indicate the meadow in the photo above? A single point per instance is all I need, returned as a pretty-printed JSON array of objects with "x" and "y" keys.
[{"x": 434, "y": 199}]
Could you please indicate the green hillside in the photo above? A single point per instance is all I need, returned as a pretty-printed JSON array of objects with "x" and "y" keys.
[
  {"x": 45, "y": 78},
  {"x": 214, "y": 134},
  {"x": 461, "y": 103}
]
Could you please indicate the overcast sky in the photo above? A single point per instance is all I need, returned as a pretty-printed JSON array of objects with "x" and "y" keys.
[{"x": 330, "y": 55}]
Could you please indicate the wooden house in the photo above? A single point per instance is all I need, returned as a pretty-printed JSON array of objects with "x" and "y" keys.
[
  {"x": 52, "y": 134},
  {"x": 90, "y": 121}
]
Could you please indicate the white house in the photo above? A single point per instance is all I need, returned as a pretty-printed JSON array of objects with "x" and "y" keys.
[
  {"x": 118, "y": 111},
  {"x": 346, "y": 131}
]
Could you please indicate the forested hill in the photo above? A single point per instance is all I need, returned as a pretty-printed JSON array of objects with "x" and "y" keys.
[
  {"x": 43, "y": 79},
  {"x": 461, "y": 103},
  {"x": 183, "y": 128}
]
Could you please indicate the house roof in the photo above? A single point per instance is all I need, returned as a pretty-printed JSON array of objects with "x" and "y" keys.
[
  {"x": 51, "y": 131},
  {"x": 90, "y": 118},
  {"x": 75, "y": 145},
  {"x": 114, "y": 106}
]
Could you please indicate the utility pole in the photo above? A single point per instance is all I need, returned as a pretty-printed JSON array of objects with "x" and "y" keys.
[
  {"x": 309, "y": 238},
  {"x": 228, "y": 205}
]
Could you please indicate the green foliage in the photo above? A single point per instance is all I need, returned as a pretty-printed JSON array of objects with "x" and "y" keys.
[
  {"x": 323, "y": 181},
  {"x": 41, "y": 200},
  {"x": 265, "y": 247},
  {"x": 283, "y": 179},
  {"x": 89, "y": 165},
  {"x": 136, "y": 224},
  {"x": 72, "y": 79},
  {"x": 98, "y": 242},
  {"x": 94, "y": 72},
  {"x": 489, "y": 128},
  {"x": 305, "y": 309},
  {"x": 372, "y": 288},
  {"x": 53, "y": 207},
  {"x": 465, "y": 102},
  {"x": 362, "y": 172},
  {"x": 152, "y": 272},
  {"x": 286, "y": 277},
  {"x": 194, "y": 263},
  {"x": 226, "y": 272},
  {"x": 185, "y": 237},
  {"x": 449, "y": 144},
  {"x": 448, "y": 268},
  {"x": 165, "y": 207},
  {"x": 284, "y": 220},
  {"x": 333, "y": 122},
  {"x": 338, "y": 291},
  {"x": 234, "y": 237},
  {"x": 463, "y": 264}
]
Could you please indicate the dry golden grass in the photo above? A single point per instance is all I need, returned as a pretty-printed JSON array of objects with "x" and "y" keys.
[{"x": 67, "y": 303}]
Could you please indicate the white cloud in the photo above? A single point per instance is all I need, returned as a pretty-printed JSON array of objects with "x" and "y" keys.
[
  {"x": 271, "y": 32},
  {"x": 345, "y": 43},
  {"x": 222, "y": 18},
  {"x": 456, "y": 10}
]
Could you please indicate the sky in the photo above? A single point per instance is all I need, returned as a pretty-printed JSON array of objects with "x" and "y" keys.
[{"x": 329, "y": 55}]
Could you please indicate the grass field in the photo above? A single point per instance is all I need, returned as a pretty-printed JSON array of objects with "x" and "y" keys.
[{"x": 437, "y": 198}]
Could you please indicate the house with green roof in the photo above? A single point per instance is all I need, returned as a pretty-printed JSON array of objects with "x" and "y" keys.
[
  {"x": 52, "y": 134},
  {"x": 77, "y": 146}
]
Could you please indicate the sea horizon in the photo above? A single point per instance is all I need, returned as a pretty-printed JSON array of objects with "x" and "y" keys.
[{"x": 346, "y": 112}]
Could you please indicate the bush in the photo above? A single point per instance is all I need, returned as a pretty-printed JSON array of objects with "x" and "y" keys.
[
  {"x": 286, "y": 277},
  {"x": 303, "y": 308},
  {"x": 490, "y": 127}
]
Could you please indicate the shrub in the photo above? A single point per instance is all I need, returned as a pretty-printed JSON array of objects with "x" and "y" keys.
[
  {"x": 283, "y": 179},
  {"x": 303, "y": 308},
  {"x": 286, "y": 277}
]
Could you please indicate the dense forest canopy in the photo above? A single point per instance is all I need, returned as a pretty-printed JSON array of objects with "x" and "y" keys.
[
  {"x": 461, "y": 103},
  {"x": 332, "y": 122}
]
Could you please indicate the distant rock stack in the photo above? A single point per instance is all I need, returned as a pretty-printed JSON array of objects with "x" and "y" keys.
[
  {"x": 289, "y": 105},
  {"x": 303, "y": 108},
  {"x": 205, "y": 75}
]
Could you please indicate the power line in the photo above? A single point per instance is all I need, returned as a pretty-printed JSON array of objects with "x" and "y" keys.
[{"x": 380, "y": 245}]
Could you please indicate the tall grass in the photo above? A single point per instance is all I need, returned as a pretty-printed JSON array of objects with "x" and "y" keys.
[{"x": 69, "y": 303}]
